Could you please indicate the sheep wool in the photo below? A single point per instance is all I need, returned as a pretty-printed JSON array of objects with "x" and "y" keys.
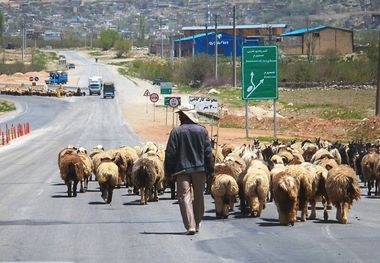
[
  {"x": 342, "y": 189},
  {"x": 255, "y": 188},
  {"x": 370, "y": 165},
  {"x": 72, "y": 171},
  {"x": 223, "y": 189},
  {"x": 285, "y": 194},
  {"x": 107, "y": 175}
]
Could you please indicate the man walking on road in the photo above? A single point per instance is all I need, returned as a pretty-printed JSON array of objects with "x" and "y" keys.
[{"x": 188, "y": 156}]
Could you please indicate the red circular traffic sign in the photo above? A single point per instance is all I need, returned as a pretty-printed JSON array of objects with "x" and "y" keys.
[
  {"x": 174, "y": 102},
  {"x": 154, "y": 97}
]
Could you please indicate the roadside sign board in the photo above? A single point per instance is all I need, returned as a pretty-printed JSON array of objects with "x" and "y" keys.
[
  {"x": 259, "y": 73},
  {"x": 147, "y": 93},
  {"x": 31, "y": 78},
  {"x": 166, "y": 88},
  {"x": 204, "y": 104},
  {"x": 154, "y": 97},
  {"x": 174, "y": 102},
  {"x": 36, "y": 78},
  {"x": 167, "y": 100}
]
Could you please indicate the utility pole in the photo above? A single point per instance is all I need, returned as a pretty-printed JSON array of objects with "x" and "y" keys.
[
  {"x": 234, "y": 49},
  {"x": 22, "y": 42},
  {"x": 206, "y": 39},
  {"x": 180, "y": 49},
  {"x": 193, "y": 48},
  {"x": 378, "y": 82},
  {"x": 171, "y": 49},
  {"x": 91, "y": 39},
  {"x": 162, "y": 40},
  {"x": 216, "y": 47}
]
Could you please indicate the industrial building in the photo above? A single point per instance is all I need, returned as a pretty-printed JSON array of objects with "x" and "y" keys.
[
  {"x": 205, "y": 43},
  {"x": 201, "y": 39}
]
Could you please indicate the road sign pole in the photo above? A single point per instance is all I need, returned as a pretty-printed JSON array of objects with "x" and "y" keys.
[
  {"x": 147, "y": 102},
  {"x": 154, "y": 111},
  {"x": 275, "y": 119},
  {"x": 246, "y": 119},
  {"x": 166, "y": 116},
  {"x": 173, "y": 119}
]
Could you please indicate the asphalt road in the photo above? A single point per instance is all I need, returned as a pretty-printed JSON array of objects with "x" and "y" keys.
[{"x": 38, "y": 222}]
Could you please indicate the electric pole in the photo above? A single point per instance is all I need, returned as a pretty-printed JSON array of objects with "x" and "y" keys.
[
  {"x": 162, "y": 40},
  {"x": 216, "y": 47},
  {"x": 378, "y": 82},
  {"x": 234, "y": 49}
]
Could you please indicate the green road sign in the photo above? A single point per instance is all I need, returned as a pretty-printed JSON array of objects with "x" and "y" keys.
[
  {"x": 165, "y": 91},
  {"x": 167, "y": 100},
  {"x": 166, "y": 88},
  {"x": 259, "y": 76}
]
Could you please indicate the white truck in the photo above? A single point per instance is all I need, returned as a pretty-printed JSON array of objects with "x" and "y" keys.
[{"x": 95, "y": 85}]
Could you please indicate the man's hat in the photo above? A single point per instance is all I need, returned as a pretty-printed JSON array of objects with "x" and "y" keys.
[{"x": 189, "y": 111}]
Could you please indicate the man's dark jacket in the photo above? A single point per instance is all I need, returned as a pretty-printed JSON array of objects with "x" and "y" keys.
[{"x": 189, "y": 150}]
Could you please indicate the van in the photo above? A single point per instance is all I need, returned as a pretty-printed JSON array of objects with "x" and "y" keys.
[{"x": 108, "y": 90}]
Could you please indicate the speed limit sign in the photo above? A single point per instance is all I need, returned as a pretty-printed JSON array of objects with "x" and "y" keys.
[
  {"x": 154, "y": 97},
  {"x": 174, "y": 102}
]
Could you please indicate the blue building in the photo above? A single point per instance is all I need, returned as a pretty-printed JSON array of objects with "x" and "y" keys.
[{"x": 205, "y": 44}]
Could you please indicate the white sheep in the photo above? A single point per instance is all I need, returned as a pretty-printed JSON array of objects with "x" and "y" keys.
[
  {"x": 107, "y": 174},
  {"x": 224, "y": 188},
  {"x": 255, "y": 188}
]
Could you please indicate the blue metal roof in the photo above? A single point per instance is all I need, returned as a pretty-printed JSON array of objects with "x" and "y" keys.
[
  {"x": 195, "y": 36},
  {"x": 231, "y": 27},
  {"x": 302, "y": 31}
]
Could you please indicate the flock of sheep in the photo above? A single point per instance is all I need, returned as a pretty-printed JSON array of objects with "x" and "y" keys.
[
  {"x": 41, "y": 92},
  {"x": 293, "y": 175},
  {"x": 140, "y": 168}
]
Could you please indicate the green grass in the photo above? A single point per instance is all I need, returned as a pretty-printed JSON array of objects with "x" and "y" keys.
[
  {"x": 123, "y": 71},
  {"x": 185, "y": 89},
  {"x": 6, "y": 106},
  {"x": 231, "y": 125},
  {"x": 342, "y": 113},
  {"x": 95, "y": 53}
]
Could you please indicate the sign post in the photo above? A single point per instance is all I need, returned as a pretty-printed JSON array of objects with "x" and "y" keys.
[
  {"x": 147, "y": 95},
  {"x": 174, "y": 102},
  {"x": 259, "y": 76},
  {"x": 154, "y": 98}
]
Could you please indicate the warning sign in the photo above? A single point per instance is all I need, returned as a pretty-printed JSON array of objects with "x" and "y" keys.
[{"x": 147, "y": 93}]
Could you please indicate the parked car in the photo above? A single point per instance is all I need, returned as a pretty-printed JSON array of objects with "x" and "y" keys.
[
  {"x": 157, "y": 81},
  {"x": 71, "y": 65}
]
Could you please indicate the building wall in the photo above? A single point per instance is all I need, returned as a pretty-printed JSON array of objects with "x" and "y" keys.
[
  {"x": 332, "y": 39},
  {"x": 323, "y": 41}
]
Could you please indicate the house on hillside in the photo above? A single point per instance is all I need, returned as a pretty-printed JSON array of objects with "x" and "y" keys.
[{"x": 318, "y": 40}]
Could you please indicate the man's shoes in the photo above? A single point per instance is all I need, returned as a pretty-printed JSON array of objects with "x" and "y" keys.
[
  {"x": 190, "y": 232},
  {"x": 197, "y": 228}
]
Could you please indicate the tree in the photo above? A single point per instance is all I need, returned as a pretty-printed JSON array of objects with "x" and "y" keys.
[
  {"x": 1, "y": 23},
  {"x": 108, "y": 38},
  {"x": 142, "y": 28},
  {"x": 122, "y": 46}
]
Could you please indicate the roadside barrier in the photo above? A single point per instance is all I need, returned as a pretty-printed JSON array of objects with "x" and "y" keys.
[{"x": 13, "y": 132}]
